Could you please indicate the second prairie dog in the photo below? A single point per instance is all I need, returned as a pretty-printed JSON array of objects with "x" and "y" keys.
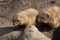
[
  {"x": 51, "y": 16},
  {"x": 26, "y": 17}
]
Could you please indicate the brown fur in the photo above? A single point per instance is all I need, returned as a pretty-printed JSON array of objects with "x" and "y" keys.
[
  {"x": 51, "y": 16},
  {"x": 26, "y": 17}
]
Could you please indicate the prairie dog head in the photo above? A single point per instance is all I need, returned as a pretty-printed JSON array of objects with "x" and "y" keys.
[
  {"x": 26, "y": 17},
  {"x": 50, "y": 16}
]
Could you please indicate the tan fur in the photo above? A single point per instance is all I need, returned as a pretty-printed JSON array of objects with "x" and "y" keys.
[
  {"x": 51, "y": 16},
  {"x": 26, "y": 17}
]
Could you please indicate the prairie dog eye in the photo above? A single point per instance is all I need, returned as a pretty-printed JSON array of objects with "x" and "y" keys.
[{"x": 47, "y": 16}]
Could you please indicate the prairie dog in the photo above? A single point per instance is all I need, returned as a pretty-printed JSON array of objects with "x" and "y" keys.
[
  {"x": 51, "y": 16},
  {"x": 26, "y": 17}
]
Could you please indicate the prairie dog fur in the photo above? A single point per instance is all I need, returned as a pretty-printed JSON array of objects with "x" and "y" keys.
[
  {"x": 26, "y": 17},
  {"x": 51, "y": 16}
]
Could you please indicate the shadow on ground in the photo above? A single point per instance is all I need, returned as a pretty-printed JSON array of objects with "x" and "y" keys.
[
  {"x": 56, "y": 34},
  {"x": 7, "y": 30},
  {"x": 44, "y": 28}
]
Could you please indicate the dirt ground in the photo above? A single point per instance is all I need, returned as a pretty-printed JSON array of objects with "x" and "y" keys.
[{"x": 8, "y": 8}]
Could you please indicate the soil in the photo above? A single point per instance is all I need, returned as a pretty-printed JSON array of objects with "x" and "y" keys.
[{"x": 8, "y": 8}]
